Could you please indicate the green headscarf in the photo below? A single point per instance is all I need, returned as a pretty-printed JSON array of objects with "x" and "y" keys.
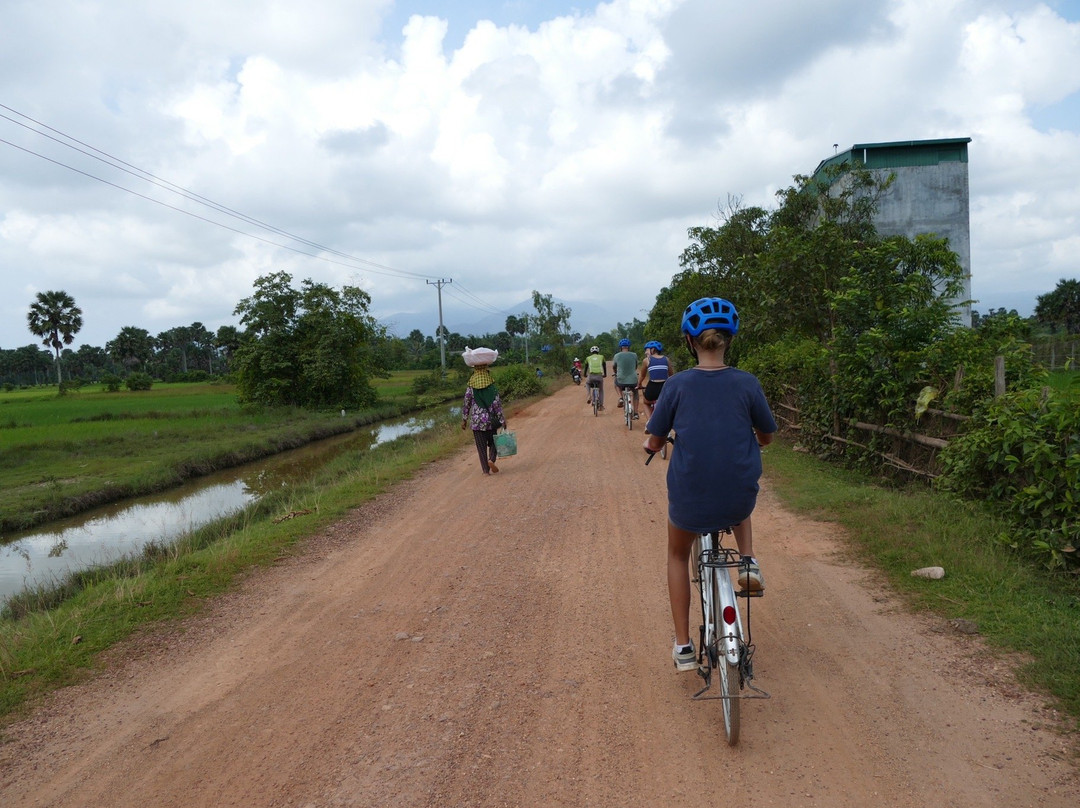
[{"x": 483, "y": 387}]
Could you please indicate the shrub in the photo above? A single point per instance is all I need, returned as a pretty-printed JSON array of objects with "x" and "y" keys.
[
  {"x": 73, "y": 384},
  {"x": 190, "y": 376},
  {"x": 139, "y": 381},
  {"x": 517, "y": 381},
  {"x": 426, "y": 383},
  {"x": 1022, "y": 456},
  {"x": 111, "y": 382}
]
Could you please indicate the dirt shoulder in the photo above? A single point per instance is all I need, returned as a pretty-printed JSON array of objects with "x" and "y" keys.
[{"x": 504, "y": 641}]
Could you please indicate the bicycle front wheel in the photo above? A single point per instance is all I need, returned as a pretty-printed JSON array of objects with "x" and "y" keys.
[{"x": 726, "y": 672}]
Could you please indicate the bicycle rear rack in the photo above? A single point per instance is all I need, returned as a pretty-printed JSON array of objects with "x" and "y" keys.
[{"x": 725, "y": 558}]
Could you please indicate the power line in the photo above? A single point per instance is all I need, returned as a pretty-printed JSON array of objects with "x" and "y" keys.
[
  {"x": 469, "y": 299},
  {"x": 147, "y": 176}
]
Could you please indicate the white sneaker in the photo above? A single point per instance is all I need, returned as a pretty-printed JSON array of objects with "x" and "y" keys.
[{"x": 684, "y": 660}]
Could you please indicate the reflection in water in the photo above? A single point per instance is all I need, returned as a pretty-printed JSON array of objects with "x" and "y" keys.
[{"x": 107, "y": 534}]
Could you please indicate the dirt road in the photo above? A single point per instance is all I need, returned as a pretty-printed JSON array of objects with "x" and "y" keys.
[{"x": 505, "y": 641}]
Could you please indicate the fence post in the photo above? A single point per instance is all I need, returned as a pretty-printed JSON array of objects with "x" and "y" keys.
[{"x": 999, "y": 376}]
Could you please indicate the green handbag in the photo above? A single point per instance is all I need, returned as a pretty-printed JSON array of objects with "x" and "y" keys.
[{"x": 505, "y": 444}]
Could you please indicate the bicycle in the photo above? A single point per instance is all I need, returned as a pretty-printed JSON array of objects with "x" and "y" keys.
[
  {"x": 725, "y": 647},
  {"x": 628, "y": 407},
  {"x": 594, "y": 396}
]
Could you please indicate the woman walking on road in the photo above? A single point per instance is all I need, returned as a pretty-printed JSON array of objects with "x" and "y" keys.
[{"x": 482, "y": 408}]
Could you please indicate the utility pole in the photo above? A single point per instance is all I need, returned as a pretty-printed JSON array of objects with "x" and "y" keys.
[
  {"x": 442, "y": 331},
  {"x": 525, "y": 320}
]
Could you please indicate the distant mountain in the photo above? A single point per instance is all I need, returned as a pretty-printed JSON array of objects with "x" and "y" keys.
[{"x": 585, "y": 318}]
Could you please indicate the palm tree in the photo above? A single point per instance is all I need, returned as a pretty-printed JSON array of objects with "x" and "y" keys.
[{"x": 56, "y": 319}]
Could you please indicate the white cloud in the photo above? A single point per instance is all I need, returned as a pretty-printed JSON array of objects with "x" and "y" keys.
[{"x": 566, "y": 154}]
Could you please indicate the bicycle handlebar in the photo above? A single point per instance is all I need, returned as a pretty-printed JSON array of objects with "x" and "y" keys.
[{"x": 653, "y": 454}]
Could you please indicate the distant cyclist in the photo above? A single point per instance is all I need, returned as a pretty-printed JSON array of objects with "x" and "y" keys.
[
  {"x": 655, "y": 370},
  {"x": 596, "y": 372},
  {"x": 722, "y": 417},
  {"x": 625, "y": 370}
]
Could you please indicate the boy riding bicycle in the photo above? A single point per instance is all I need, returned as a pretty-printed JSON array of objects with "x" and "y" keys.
[{"x": 722, "y": 419}]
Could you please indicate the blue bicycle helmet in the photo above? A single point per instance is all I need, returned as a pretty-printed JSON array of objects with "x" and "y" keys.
[
  {"x": 710, "y": 312},
  {"x": 656, "y": 346},
  {"x": 624, "y": 343}
]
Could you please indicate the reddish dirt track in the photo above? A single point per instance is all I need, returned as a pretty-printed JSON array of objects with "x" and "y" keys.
[{"x": 505, "y": 641}]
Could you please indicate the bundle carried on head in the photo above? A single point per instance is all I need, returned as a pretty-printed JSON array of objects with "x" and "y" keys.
[
  {"x": 479, "y": 356},
  {"x": 481, "y": 380}
]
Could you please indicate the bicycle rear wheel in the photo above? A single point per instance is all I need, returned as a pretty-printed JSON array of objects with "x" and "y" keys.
[
  {"x": 595, "y": 400},
  {"x": 628, "y": 411},
  {"x": 727, "y": 673}
]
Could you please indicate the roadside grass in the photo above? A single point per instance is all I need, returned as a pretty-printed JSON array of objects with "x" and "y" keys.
[
  {"x": 1063, "y": 379},
  {"x": 1017, "y": 606},
  {"x": 57, "y": 640},
  {"x": 60, "y": 455}
]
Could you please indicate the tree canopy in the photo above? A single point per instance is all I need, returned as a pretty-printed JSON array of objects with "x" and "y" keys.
[
  {"x": 1060, "y": 309},
  {"x": 55, "y": 318},
  {"x": 313, "y": 347}
]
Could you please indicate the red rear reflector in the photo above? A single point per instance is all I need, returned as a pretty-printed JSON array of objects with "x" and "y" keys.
[{"x": 729, "y": 615}]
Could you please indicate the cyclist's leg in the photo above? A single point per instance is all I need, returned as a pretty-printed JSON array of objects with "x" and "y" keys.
[
  {"x": 750, "y": 573},
  {"x": 680, "y": 543},
  {"x": 744, "y": 537}
]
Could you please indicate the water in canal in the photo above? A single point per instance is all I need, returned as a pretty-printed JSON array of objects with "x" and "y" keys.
[{"x": 107, "y": 534}]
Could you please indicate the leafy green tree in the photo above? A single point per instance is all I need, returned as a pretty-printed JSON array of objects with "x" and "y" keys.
[
  {"x": 133, "y": 347},
  {"x": 89, "y": 362},
  {"x": 552, "y": 324},
  {"x": 176, "y": 341},
  {"x": 28, "y": 364},
  {"x": 887, "y": 310},
  {"x": 1060, "y": 309},
  {"x": 226, "y": 341},
  {"x": 314, "y": 347},
  {"x": 55, "y": 318}
]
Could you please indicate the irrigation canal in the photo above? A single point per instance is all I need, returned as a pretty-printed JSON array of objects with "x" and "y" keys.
[{"x": 109, "y": 533}]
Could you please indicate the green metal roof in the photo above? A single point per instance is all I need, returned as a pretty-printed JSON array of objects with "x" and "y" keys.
[{"x": 902, "y": 153}]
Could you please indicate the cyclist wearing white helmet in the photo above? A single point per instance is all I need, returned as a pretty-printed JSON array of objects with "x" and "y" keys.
[
  {"x": 596, "y": 371},
  {"x": 722, "y": 418}
]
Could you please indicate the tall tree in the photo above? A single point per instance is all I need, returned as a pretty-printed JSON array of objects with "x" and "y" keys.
[
  {"x": 132, "y": 347},
  {"x": 226, "y": 341},
  {"x": 1060, "y": 309},
  {"x": 553, "y": 328},
  {"x": 55, "y": 318}
]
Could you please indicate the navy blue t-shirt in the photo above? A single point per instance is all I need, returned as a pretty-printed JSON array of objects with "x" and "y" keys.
[{"x": 713, "y": 473}]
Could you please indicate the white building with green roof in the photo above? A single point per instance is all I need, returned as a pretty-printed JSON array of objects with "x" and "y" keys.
[{"x": 929, "y": 195}]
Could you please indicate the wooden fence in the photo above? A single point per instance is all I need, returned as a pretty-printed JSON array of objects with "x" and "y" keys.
[{"x": 1058, "y": 353}]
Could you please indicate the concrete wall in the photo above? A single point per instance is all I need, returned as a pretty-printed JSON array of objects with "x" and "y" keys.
[{"x": 931, "y": 199}]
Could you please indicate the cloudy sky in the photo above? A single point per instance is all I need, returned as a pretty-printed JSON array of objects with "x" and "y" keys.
[{"x": 157, "y": 157}]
